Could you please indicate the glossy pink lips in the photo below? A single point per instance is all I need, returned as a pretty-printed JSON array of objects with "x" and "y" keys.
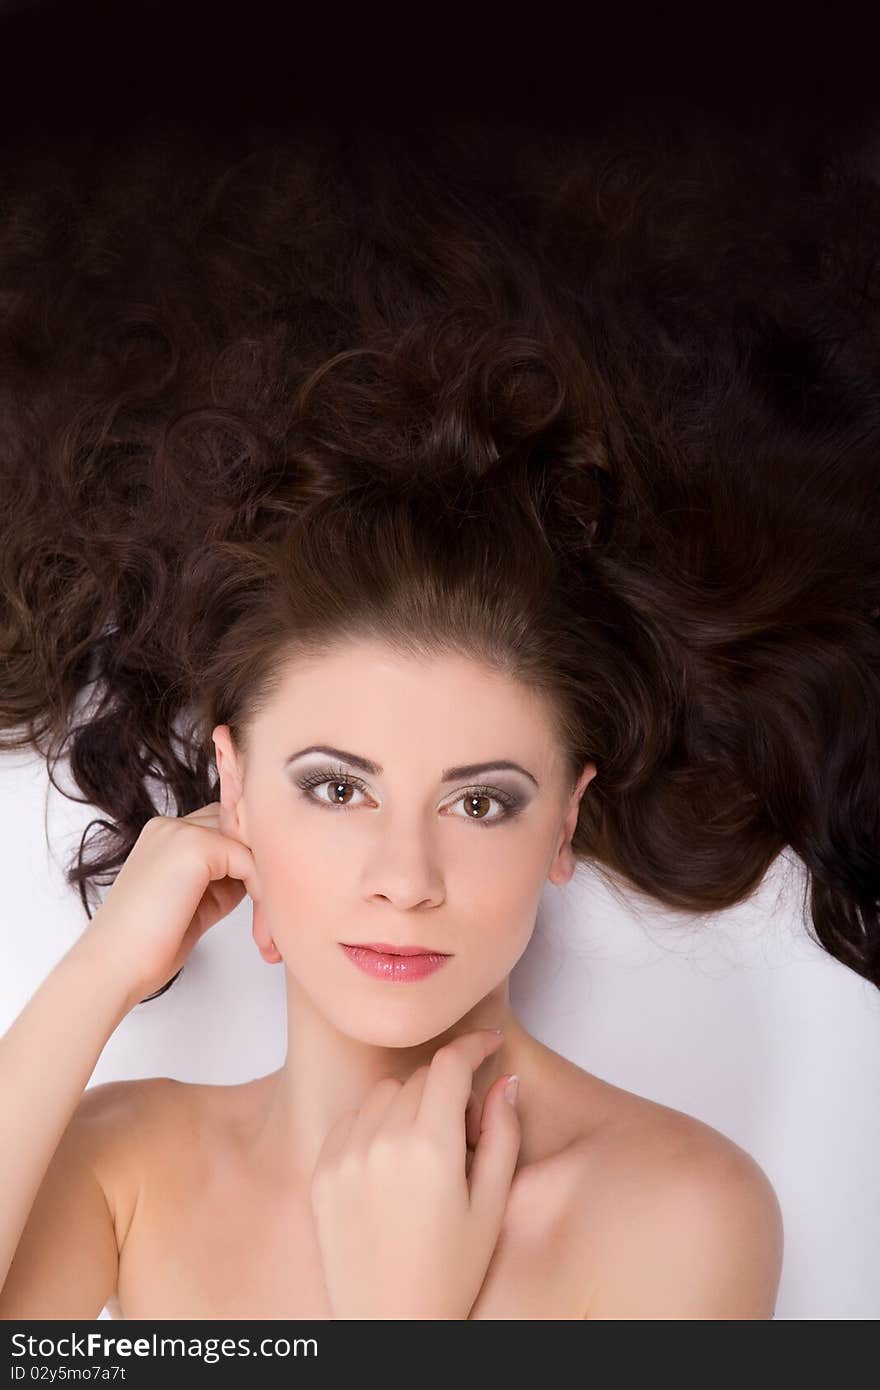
[{"x": 382, "y": 965}]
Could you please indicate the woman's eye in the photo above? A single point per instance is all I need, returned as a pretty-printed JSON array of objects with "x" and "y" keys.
[
  {"x": 475, "y": 802},
  {"x": 474, "y": 805},
  {"x": 340, "y": 793}
]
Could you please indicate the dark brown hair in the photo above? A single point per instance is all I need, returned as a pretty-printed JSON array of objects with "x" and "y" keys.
[{"x": 603, "y": 414}]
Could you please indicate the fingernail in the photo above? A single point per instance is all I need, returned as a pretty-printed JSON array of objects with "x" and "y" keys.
[{"x": 511, "y": 1088}]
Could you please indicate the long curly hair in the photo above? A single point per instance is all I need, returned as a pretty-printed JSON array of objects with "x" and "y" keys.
[{"x": 601, "y": 413}]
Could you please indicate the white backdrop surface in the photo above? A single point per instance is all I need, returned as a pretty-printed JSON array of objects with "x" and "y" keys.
[{"x": 737, "y": 1018}]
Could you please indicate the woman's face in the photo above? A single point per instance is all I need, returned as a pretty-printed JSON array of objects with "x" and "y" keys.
[{"x": 389, "y": 830}]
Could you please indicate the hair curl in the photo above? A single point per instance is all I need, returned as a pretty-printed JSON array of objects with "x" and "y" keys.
[{"x": 603, "y": 415}]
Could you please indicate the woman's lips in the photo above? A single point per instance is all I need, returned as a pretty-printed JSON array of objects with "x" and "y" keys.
[{"x": 383, "y": 965}]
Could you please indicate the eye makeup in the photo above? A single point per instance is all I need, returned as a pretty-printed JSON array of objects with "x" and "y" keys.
[
  {"x": 449, "y": 774},
  {"x": 511, "y": 803}
]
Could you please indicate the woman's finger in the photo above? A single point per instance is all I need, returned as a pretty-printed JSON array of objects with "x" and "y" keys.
[
  {"x": 472, "y": 1120},
  {"x": 206, "y": 815},
  {"x": 404, "y": 1108},
  {"x": 495, "y": 1157},
  {"x": 451, "y": 1078},
  {"x": 373, "y": 1111}
]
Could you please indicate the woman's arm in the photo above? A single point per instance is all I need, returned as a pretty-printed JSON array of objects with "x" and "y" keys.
[
  {"x": 182, "y": 876},
  {"x": 701, "y": 1240},
  {"x": 46, "y": 1059}
]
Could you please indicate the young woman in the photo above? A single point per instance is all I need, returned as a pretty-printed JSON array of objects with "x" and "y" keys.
[{"x": 367, "y": 499}]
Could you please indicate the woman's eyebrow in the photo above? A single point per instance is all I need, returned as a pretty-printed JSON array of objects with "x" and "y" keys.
[{"x": 449, "y": 774}]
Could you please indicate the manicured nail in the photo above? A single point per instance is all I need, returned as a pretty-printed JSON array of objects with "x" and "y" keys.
[{"x": 510, "y": 1089}]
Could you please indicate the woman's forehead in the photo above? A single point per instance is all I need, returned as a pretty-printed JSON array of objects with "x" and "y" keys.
[
  {"x": 400, "y": 672},
  {"x": 367, "y": 693}
]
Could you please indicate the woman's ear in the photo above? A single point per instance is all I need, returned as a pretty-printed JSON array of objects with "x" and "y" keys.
[
  {"x": 266, "y": 946},
  {"x": 563, "y": 866},
  {"x": 232, "y": 822}
]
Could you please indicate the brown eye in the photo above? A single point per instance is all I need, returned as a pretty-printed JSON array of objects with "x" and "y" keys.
[
  {"x": 477, "y": 802},
  {"x": 341, "y": 788}
]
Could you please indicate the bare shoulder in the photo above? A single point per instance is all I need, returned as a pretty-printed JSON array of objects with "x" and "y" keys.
[
  {"x": 119, "y": 1127},
  {"x": 114, "y": 1113},
  {"x": 677, "y": 1220},
  {"x": 150, "y": 1106}
]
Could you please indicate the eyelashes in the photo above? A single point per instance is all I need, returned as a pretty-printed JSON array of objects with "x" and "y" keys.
[{"x": 512, "y": 804}]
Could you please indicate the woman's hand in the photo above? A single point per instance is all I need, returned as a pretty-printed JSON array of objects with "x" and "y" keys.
[
  {"x": 404, "y": 1230},
  {"x": 181, "y": 876}
]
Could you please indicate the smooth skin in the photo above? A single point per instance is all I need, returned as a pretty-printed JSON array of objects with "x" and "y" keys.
[
  {"x": 606, "y": 1204},
  {"x": 400, "y": 861},
  {"x": 390, "y": 1185}
]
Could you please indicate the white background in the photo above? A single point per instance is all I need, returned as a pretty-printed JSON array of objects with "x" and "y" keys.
[{"x": 737, "y": 1018}]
